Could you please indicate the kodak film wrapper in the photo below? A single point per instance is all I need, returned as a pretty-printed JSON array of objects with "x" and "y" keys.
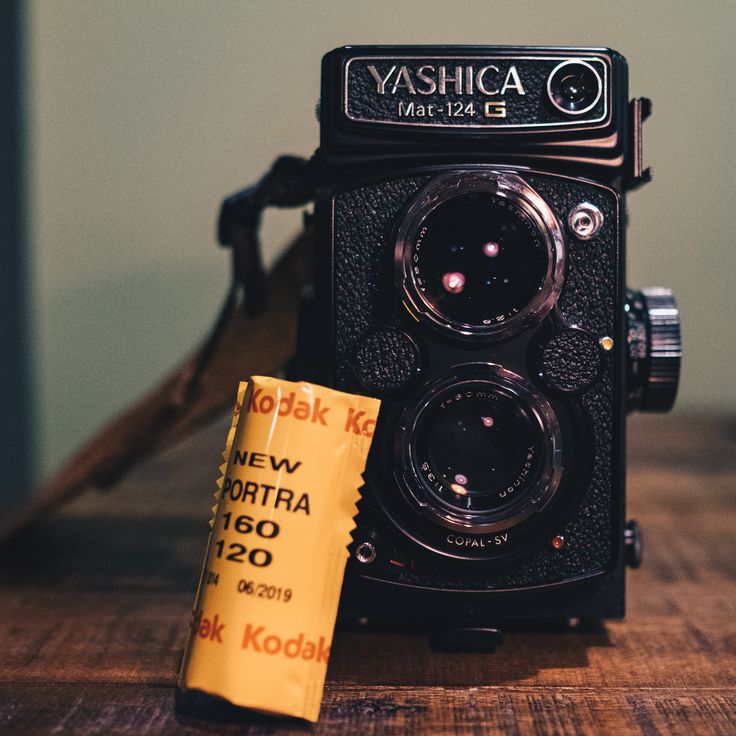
[{"x": 267, "y": 600}]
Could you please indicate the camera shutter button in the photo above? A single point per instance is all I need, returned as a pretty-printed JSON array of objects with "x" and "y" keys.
[{"x": 386, "y": 360}]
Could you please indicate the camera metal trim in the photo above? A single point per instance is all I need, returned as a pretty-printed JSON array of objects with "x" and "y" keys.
[
  {"x": 602, "y": 120},
  {"x": 502, "y": 184}
]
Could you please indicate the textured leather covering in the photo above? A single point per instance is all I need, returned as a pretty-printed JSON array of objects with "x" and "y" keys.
[
  {"x": 365, "y": 298},
  {"x": 570, "y": 360},
  {"x": 364, "y": 223},
  {"x": 386, "y": 359}
]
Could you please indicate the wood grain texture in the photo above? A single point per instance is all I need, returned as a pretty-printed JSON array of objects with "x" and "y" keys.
[
  {"x": 95, "y": 602},
  {"x": 91, "y": 710}
]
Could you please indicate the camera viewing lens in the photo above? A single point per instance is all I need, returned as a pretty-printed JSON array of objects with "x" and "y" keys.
[
  {"x": 481, "y": 450},
  {"x": 480, "y": 254},
  {"x": 574, "y": 87},
  {"x": 479, "y": 259}
]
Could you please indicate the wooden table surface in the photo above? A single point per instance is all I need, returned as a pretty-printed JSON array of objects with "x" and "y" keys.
[{"x": 95, "y": 603}]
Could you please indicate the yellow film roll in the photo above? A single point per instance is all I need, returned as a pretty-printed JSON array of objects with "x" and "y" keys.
[{"x": 267, "y": 600}]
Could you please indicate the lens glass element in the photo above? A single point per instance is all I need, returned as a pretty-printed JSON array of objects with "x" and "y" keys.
[
  {"x": 478, "y": 449},
  {"x": 478, "y": 259}
]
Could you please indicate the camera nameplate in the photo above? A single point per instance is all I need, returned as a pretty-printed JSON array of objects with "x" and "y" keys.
[{"x": 465, "y": 92}]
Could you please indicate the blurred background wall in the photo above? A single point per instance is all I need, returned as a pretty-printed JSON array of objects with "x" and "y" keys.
[{"x": 142, "y": 115}]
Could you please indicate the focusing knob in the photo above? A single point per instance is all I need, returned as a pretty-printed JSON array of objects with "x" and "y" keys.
[{"x": 654, "y": 349}]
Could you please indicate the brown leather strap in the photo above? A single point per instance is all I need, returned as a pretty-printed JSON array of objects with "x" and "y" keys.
[
  {"x": 288, "y": 183},
  {"x": 244, "y": 341}
]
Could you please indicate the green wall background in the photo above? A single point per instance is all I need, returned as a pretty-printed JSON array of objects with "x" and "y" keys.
[{"x": 142, "y": 115}]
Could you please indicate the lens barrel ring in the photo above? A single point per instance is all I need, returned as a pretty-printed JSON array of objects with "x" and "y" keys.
[{"x": 511, "y": 191}]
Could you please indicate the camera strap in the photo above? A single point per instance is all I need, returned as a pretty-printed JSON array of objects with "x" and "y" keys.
[{"x": 255, "y": 333}]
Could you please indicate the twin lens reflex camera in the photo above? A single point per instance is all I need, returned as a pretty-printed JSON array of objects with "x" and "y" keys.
[{"x": 470, "y": 272}]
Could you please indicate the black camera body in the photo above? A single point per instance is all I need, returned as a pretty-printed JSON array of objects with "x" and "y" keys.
[{"x": 470, "y": 272}]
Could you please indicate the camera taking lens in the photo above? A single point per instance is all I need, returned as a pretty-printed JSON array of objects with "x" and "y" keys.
[
  {"x": 481, "y": 450},
  {"x": 574, "y": 87}
]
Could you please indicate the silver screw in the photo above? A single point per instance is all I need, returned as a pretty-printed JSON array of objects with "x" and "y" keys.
[
  {"x": 585, "y": 220},
  {"x": 365, "y": 553}
]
